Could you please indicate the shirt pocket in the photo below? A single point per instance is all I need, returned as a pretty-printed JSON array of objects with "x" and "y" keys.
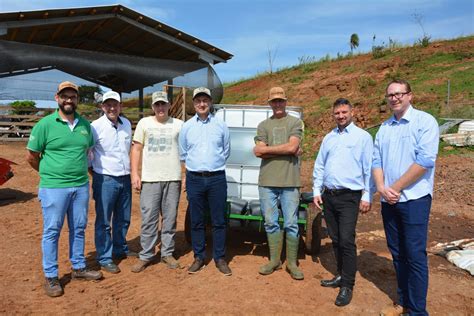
[{"x": 126, "y": 139}]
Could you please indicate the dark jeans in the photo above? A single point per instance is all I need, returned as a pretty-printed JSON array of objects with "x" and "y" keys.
[
  {"x": 207, "y": 193},
  {"x": 341, "y": 212},
  {"x": 406, "y": 230}
]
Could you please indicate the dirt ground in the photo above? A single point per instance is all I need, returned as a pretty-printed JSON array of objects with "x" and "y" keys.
[{"x": 158, "y": 290}]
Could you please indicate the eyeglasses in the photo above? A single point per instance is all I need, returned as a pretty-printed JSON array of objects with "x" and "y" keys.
[
  {"x": 68, "y": 97},
  {"x": 397, "y": 95}
]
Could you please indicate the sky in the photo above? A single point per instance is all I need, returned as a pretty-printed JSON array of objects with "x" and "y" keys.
[{"x": 292, "y": 29}]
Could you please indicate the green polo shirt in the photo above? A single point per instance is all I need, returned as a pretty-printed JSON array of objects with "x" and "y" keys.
[{"x": 63, "y": 160}]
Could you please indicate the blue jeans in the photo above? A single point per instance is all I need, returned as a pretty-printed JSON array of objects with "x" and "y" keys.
[
  {"x": 289, "y": 200},
  {"x": 56, "y": 203},
  {"x": 207, "y": 193},
  {"x": 406, "y": 230},
  {"x": 113, "y": 202}
]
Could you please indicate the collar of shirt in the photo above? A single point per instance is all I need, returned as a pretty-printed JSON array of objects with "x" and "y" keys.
[
  {"x": 407, "y": 116},
  {"x": 119, "y": 121},
  {"x": 69, "y": 124},
  {"x": 208, "y": 118},
  {"x": 58, "y": 117},
  {"x": 347, "y": 129}
]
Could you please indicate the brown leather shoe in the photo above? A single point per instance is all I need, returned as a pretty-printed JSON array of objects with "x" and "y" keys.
[
  {"x": 394, "y": 310},
  {"x": 170, "y": 262},
  {"x": 52, "y": 287},
  {"x": 86, "y": 274},
  {"x": 140, "y": 266}
]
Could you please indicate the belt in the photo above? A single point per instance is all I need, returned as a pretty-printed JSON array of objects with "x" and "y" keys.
[
  {"x": 206, "y": 173},
  {"x": 339, "y": 191}
]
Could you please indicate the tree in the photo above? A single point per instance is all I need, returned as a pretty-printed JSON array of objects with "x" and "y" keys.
[
  {"x": 425, "y": 40},
  {"x": 354, "y": 41},
  {"x": 19, "y": 107},
  {"x": 86, "y": 93},
  {"x": 271, "y": 57}
]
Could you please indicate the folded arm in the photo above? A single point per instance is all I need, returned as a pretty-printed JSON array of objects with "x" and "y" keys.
[{"x": 264, "y": 151}]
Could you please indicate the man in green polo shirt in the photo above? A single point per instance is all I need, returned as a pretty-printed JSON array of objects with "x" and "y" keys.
[{"x": 58, "y": 148}]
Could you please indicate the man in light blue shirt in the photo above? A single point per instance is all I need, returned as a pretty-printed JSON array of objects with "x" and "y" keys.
[
  {"x": 405, "y": 151},
  {"x": 341, "y": 181},
  {"x": 111, "y": 182},
  {"x": 204, "y": 147}
]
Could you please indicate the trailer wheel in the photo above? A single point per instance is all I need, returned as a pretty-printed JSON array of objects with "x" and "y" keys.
[
  {"x": 187, "y": 226},
  {"x": 313, "y": 230}
]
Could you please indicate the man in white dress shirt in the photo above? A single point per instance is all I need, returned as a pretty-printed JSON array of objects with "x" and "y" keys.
[{"x": 111, "y": 182}]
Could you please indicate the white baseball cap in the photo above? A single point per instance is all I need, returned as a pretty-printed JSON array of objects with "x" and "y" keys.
[
  {"x": 159, "y": 96},
  {"x": 111, "y": 95},
  {"x": 202, "y": 90}
]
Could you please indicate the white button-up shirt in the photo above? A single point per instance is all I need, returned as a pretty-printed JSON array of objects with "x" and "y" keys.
[{"x": 111, "y": 152}]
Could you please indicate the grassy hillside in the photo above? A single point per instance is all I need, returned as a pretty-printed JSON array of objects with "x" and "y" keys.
[{"x": 362, "y": 79}]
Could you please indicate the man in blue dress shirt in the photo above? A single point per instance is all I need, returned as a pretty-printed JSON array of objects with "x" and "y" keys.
[
  {"x": 405, "y": 151},
  {"x": 204, "y": 146},
  {"x": 111, "y": 186},
  {"x": 341, "y": 181}
]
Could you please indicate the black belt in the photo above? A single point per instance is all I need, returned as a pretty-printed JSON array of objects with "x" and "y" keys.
[
  {"x": 339, "y": 191},
  {"x": 206, "y": 173}
]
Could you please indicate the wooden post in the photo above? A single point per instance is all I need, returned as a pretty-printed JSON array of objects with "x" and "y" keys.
[
  {"x": 183, "y": 92},
  {"x": 449, "y": 94},
  {"x": 140, "y": 102},
  {"x": 170, "y": 90}
]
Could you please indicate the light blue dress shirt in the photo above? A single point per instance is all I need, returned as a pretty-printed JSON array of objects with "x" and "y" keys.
[
  {"x": 204, "y": 145},
  {"x": 399, "y": 144},
  {"x": 344, "y": 162},
  {"x": 111, "y": 152}
]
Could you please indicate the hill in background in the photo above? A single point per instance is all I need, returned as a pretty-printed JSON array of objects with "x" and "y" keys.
[{"x": 314, "y": 85}]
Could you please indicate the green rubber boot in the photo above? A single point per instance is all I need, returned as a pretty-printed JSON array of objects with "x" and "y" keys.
[
  {"x": 275, "y": 243},
  {"x": 291, "y": 255}
]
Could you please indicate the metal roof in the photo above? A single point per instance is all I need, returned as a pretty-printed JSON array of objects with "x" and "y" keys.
[{"x": 114, "y": 31}]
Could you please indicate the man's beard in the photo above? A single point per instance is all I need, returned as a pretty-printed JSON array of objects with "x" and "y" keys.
[{"x": 70, "y": 110}]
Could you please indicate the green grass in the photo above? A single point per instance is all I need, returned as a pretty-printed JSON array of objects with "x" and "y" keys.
[
  {"x": 446, "y": 149},
  {"x": 234, "y": 98},
  {"x": 427, "y": 73},
  {"x": 297, "y": 79},
  {"x": 365, "y": 82},
  {"x": 373, "y": 131}
]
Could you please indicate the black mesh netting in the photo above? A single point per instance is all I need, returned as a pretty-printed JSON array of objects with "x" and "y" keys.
[{"x": 119, "y": 72}]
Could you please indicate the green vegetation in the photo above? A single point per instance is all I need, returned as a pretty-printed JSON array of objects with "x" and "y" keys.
[
  {"x": 354, "y": 41},
  {"x": 324, "y": 103},
  {"x": 427, "y": 70},
  {"x": 297, "y": 79},
  {"x": 373, "y": 131},
  {"x": 445, "y": 150},
  {"x": 424, "y": 41},
  {"x": 19, "y": 106},
  {"x": 238, "y": 98},
  {"x": 87, "y": 93},
  {"x": 365, "y": 82}
]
